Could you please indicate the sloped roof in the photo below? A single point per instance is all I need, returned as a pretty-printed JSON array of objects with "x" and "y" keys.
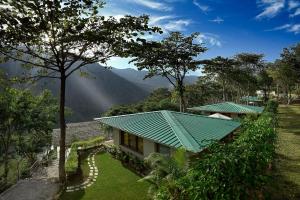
[
  {"x": 220, "y": 116},
  {"x": 173, "y": 129},
  {"x": 229, "y": 107}
]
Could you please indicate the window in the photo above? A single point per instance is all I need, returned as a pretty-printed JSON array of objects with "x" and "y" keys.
[
  {"x": 140, "y": 145},
  {"x": 163, "y": 149},
  {"x": 125, "y": 139},
  {"x": 132, "y": 142}
]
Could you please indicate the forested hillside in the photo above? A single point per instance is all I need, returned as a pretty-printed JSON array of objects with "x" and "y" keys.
[{"x": 91, "y": 95}]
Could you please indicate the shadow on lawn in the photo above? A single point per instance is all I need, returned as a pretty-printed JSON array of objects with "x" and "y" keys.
[
  {"x": 281, "y": 187},
  {"x": 285, "y": 176},
  {"x": 73, "y": 195}
]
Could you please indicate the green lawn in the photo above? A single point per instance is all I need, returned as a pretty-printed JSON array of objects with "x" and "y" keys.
[
  {"x": 113, "y": 182},
  {"x": 286, "y": 183}
]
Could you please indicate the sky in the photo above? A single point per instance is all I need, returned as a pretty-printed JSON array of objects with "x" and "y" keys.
[{"x": 226, "y": 27}]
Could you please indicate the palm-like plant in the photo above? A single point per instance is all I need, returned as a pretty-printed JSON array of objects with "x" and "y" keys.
[{"x": 165, "y": 170}]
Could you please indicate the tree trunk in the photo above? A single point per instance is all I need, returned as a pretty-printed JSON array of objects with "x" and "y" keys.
[
  {"x": 224, "y": 96},
  {"x": 181, "y": 89},
  {"x": 62, "y": 141},
  {"x": 182, "y": 106}
]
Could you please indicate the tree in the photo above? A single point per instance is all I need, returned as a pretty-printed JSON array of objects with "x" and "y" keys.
[
  {"x": 24, "y": 115},
  {"x": 265, "y": 82},
  {"x": 204, "y": 91},
  {"x": 57, "y": 38},
  {"x": 250, "y": 65},
  {"x": 285, "y": 76},
  {"x": 171, "y": 58},
  {"x": 222, "y": 70},
  {"x": 291, "y": 56}
]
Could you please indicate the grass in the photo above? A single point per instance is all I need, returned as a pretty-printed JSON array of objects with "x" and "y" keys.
[
  {"x": 114, "y": 182},
  {"x": 286, "y": 175}
]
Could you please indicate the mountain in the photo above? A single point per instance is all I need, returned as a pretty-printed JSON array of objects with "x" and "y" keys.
[
  {"x": 148, "y": 84},
  {"x": 90, "y": 96}
]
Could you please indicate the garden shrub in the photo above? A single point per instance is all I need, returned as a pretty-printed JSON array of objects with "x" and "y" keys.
[
  {"x": 272, "y": 106},
  {"x": 72, "y": 161}
]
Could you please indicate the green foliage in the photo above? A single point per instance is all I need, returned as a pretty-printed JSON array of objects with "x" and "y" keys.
[
  {"x": 72, "y": 161},
  {"x": 159, "y": 99},
  {"x": 237, "y": 170},
  {"x": 172, "y": 58},
  {"x": 272, "y": 106},
  {"x": 26, "y": 123},
  {"x": 165, "y": 170}
]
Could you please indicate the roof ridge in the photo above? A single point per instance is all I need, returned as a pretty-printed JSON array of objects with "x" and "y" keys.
[
  {"x": 189, "y": 143},
  {"x": 196, "y": 115},
  {"x": 242, "y": 106},
  {"x": 125, "y": 115}
]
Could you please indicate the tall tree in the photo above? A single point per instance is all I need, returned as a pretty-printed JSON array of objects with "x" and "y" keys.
[
  {"x": 250, "y": 65},
  {"x": 221, "y": 69},
  {"x": 265, "y": 82},
  {"x": 171, "y": 58},
  {"x": 59, "y": 37},
  {"x": 285, "y": 76},
  {"x": 291, "y": 56}
]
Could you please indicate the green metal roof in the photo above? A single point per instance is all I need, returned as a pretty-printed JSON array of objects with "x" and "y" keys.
[
  {"x": 229, "y": 107},
  {"x": 250, "y": 98},
  {"x": 174, "y": 129}
]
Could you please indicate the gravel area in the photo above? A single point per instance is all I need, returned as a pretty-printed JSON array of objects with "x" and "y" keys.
[{"x": 78, "y": 131}]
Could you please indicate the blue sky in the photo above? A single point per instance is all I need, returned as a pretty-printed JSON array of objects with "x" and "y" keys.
[{"x": 226, "y": 27}]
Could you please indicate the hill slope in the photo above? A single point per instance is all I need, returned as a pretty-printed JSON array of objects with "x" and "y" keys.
[{"x": 89, "y": 97}]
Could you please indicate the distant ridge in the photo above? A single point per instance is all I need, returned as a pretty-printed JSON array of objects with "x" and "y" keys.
[{"x": 89, "y": 97}]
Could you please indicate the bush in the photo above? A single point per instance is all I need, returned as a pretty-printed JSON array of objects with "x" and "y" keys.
[
  {"x": 72, "y": 161},
  {"x": 272, "y": 106}
]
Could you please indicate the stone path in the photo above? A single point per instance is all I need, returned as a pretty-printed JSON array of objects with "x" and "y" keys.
[
  {"x": 31, "y": 189},
  {"x": 93, "y": 174}
]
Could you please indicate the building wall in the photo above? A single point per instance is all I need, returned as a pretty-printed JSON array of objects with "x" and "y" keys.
[{"x": 148, "y": 145}]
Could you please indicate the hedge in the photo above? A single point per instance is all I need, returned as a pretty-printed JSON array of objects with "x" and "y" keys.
[{"x": 72, "y": 160}]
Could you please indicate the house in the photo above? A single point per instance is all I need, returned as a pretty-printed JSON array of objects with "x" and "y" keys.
[
  {"x": 229, "y": 109},
  {"x": 164, "y": 131},
  {"x": 252, "y": 100}
]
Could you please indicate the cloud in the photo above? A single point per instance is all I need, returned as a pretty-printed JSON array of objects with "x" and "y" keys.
[
  {"x": 204, "y": 8},
  {"x": 293, "y": 4},
  {"x": 170, "y": 23},
  {"x": 293, "y": 28},
  {"x": 177, "y": 25},
  {"x": 156, "y": 20},
  {"x": 210, "y": 39},
  {"x": 271, "y": 8},
  {"x": 217, "y": 20},
  {"x": 296, "y": 13},
  {"x": 153, "y": 5}
]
